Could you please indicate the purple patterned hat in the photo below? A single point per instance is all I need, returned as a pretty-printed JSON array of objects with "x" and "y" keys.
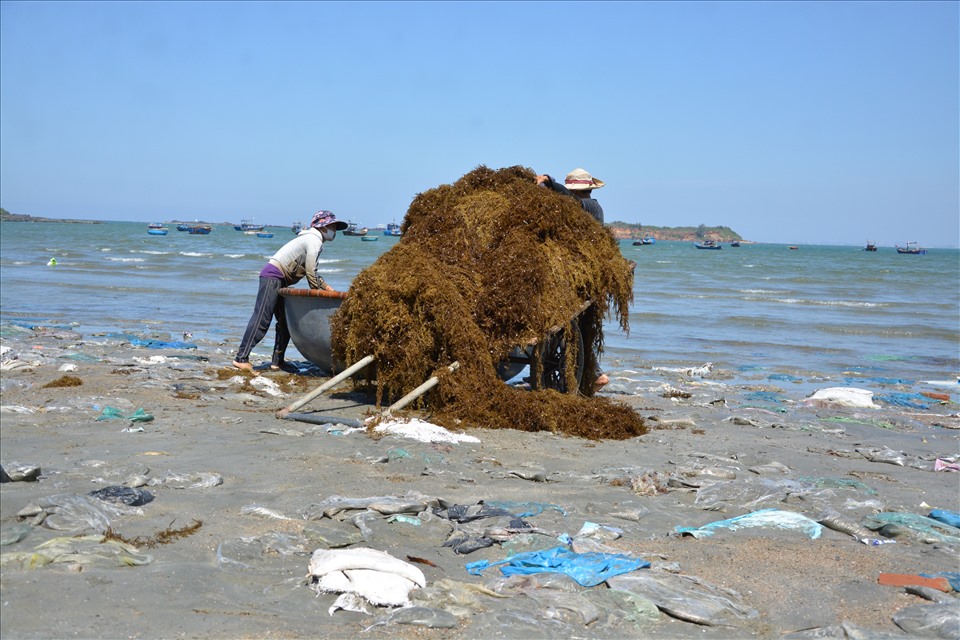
[{"x": 323, "y": 218}]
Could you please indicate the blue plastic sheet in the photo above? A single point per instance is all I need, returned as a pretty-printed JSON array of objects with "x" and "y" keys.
[
  {"x": 150, "y": 343},
  {"x": 951, "y": 518},
  {"x": 912, "y": 400},
  {"x": 953, "y": 577},
  {"x": 588, "y": 569},
  {"x": 763, "y": 396},
  {"x": 785, "y": 377}
]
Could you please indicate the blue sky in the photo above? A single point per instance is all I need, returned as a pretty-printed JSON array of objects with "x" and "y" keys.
[{"x": 807, "y": 122}]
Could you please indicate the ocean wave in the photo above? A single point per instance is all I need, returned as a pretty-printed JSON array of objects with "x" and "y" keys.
[
  {"x": 127, "y": 259},
  {"x": 820, "y": 303},
  {"x": 196, "y": 254},
  {"x": 234, "y": 255},
  {"x": 152, "y": 253}
]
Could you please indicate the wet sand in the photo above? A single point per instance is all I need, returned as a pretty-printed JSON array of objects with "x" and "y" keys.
[{"x": 242, "y": 572}]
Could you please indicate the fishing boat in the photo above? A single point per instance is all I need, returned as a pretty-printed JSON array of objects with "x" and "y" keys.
[
  {"x": 296, "y": 227},
  {"x": 264, "y": 234},
  {"x": 871, "y": 246},
  {"x": 199, "y": 229},
  {"x": 183, "y": 227},
  {"x": 708, "y": 244},
  {"x": 369, "y": 238},
  {"x": 156, "y": 229},
  {"x": 912, "y": 248},
  {"x": 392, "y": 229},
  {"x": 353, "y": 229},
  {"x": 248, "y": 225},
  {"x": 735, "y": 243}
]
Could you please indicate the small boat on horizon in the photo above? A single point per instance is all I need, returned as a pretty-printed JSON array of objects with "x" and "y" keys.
[
  {"x": 708, "y": 244},
  {"x": 248, "y": 225},
  {"x": 156, "y": 229},
  {"x": 912, "y": 248},
  {"x": 353, "y": 229},
  {"x": 199, "y": 229},
  {"x": 735, "y": 243},
  {"x": 296, "y": 227},
  {"x": 871, "y": 246}
]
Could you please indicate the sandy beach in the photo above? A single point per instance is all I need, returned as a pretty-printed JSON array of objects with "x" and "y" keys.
[{"x": 241, "y": 500}]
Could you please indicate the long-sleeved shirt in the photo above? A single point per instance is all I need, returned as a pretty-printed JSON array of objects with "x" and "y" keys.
[
  {"x": 298, "y": 258},
  {"x": 590, "y": 205}
]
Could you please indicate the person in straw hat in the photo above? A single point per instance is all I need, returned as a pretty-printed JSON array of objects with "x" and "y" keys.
[
  {"x": 580, "y": 185},
  {"x": 294, "y": 260}
]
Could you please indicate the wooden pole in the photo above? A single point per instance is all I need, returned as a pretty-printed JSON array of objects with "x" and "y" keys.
[
  {"x": 419, "y": 391},
  {"x": 332, "y": 382}
]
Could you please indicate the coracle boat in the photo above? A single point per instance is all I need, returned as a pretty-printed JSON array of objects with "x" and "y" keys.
[
  {"x": 156, "y": 229},
  {"x": 309, "y": 311},
  {"x": 264, "y": 234},
  {"x": 369, "y": 238}
]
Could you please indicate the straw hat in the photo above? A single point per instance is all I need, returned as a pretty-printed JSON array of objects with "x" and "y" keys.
[
  {"x": 323, "y": 218},
  {"x": 579, "y": 180}
]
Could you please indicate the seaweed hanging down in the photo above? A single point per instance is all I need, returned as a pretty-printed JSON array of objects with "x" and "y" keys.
[{"x": 488, "y": 263}]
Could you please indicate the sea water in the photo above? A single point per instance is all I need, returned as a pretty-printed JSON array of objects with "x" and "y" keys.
[{"x": 761, "y": 311}]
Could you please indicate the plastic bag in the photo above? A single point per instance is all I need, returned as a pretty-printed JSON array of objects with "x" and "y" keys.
[{"x": 588, "y": 569}]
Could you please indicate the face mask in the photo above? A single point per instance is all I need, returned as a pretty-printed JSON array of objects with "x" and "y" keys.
[{"x": 328, "y": 234}]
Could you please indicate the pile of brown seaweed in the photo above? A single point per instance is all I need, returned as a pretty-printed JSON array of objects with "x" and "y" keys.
[{"x": 485, "y": 264}]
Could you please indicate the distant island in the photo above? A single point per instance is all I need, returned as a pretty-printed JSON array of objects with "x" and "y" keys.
[
  {"x": 626, "y": 230},
  {"x": 620, "y": 230},
  {"x": 6, "y": 216}
]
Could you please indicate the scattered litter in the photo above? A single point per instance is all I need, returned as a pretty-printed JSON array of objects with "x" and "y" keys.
[
  {"x": 112, "y": 413},
  {"x": 693, "y": 372},
  {"x": 375, "y": 575},
  {"x": 588, "y": 569},
  {"x": 422, "y": 431},
  {"x": 775, "y": 518},
  {"x": 844, "y": 397},
  {"x": 944, "y": 465},
  {"x": 895, "y": 523},
  {"x": 19, "y": 472},
  {"x": 686, "y": 597},
  {"x": 83, "y": 550},
  {"x": 911, "y": 400},
  {"x": 930, "y": 620}
]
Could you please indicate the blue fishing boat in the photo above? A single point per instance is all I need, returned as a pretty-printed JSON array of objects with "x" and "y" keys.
[
  {"x": 708, "y": 244},
  {"x": 199, "y": 229},
  {"x": 392, "y": 230},
  {"x": 296, "y": 227},
  {"x": 264, "y": 234},
  {"x": 156, "y": 229},
  {"x": 247, "y": 225}
]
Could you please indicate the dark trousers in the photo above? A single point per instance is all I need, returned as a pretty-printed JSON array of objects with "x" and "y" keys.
[{"x": 269, "y": 305}]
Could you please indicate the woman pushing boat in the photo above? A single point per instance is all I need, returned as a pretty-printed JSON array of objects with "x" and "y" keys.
[{"x": 294, "y": 260}]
